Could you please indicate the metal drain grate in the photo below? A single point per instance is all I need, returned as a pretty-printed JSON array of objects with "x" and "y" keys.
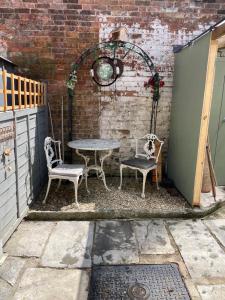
[{"x": 137, "y": 282}]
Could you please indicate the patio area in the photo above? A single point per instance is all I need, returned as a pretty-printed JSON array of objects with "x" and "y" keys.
[
  {"x": 55, "y": 260},
  {"x": 112, "y": 177},
  {"x": 120, "y": 204},
  {"x": 99, "y": 199}
]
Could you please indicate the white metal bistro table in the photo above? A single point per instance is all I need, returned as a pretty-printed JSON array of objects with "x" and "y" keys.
[{"x": 95, "y": 145}]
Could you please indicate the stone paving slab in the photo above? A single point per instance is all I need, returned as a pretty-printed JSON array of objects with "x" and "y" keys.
[
  {"x": 218, "y": 228},
  {"x": 69, "y": 245},
  {"x": 11, "y": 269},
  {"x": 115, "y": 243},
  {"x": 212, "y": 292},
  {"x": 152, "y": 237},
  {"x": 49, "y": 284},
  {"x": 192, "y": 289},
  {"x": 29, "y": 239},
  {"x": 201, "y": 253},
  {"x": 5, "y": 290}
]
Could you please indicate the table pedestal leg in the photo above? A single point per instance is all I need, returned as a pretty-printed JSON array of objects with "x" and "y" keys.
[
  {"x": 102, "y": 170},
  {"x": 96, "y": 163},
  {"x": 85, "y": 157},
  {"x": 99, "y": 169}
]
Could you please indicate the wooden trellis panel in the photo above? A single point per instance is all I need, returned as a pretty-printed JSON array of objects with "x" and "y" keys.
[{"x": 19, "y": 92}]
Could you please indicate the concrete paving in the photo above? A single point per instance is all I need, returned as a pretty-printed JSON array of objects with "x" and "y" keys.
[
  {"x": 11, "y": 269},
  {"x": 5, "y": 290},
  {"x": 212, "y": 292},
  {"x": 30, "y": 239},
  {"x": 69, "y": 246},
  {"x": 60, "y": 266},
  {"x": 202, "y": 254},
  {"x": 152, "y": 237},
  {"x": 49, "y": 284},
  {"x": 115, "y": 243},
  {"x": 217, "y": 227}
]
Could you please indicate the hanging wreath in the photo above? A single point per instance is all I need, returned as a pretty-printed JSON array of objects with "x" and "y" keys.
[{"x": 155, "y": 83}]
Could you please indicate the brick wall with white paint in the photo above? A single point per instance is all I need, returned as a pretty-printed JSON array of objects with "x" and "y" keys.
[
  {"x": 126, "y": 114},
  {"x": 45, "y": 37}
]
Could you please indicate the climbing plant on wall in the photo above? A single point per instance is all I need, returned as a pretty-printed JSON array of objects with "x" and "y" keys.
[{"x": 106, "y": 69}]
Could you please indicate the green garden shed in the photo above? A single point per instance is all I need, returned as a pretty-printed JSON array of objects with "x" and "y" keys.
[{"x": 198, "y": 113}]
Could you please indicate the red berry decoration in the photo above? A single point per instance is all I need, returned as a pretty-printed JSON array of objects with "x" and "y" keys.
[{"x": 155, "y": 82}]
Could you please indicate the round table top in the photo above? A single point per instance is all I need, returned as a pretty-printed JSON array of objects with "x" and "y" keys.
[{"x": 94, "y": 144}]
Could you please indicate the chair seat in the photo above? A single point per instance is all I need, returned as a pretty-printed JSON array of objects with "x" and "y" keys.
[
  {"x": 68, "y": 170},
  {"x": 140, "y": 163}
]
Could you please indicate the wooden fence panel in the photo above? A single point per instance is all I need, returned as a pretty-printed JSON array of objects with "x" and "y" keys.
[{"x": 22, "y": 173}]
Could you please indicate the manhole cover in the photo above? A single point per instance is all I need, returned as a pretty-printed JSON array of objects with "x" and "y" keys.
[
  {"x": 137, "y": 282},
  {"x": 138, "y": 291}
]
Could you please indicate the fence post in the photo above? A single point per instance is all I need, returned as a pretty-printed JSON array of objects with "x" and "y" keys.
[
  {"x": 25, "y": 92},
  {"x": 39, "y": 91},
  {"x": 4, "y": 79},
  {"x": 35, "y": 94},
  {"x": 19, "y": 91},
  {"x": 30, "y": 93},
  {"x": 13, "y": 91}
]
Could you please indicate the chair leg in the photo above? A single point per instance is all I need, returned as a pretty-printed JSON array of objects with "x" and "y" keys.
[
  {"x": 86, "y": 183},
  {"x": 48, "y": 188},
  {"x": 121, "y": 177},
  {"x": 81, "y": 179},
  {"x": 136, "y": 175},
  {"x": 76, "y": 189},
  {"x": 59, "y": 183},
  {"x": 156, "y": 179},
  {"x": 143, "y": 186}
]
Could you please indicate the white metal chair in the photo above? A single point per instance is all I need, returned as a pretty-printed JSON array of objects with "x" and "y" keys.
[
  {"x": 143, "y": 162},
  {"x": 57, "y": 169}
]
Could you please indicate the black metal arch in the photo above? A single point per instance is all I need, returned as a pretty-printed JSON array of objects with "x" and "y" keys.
[{"x": 113, "y": 46}]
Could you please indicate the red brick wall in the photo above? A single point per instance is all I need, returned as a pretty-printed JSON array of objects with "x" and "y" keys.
[{"x": 45, "y": 37}]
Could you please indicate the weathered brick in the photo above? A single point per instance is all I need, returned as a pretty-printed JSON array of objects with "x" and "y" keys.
[
  {"x": 221, "y": 12},
  {"x": 70, "y": 1},
  {"x": 209, "y": 1},
  {"x": 74, "y": 6},
  {"x": 6, "y": 10},
  {"x": 45, "y": 37},
  {"x": 42, "y": 5},
  {"x": 87, "y": 12},
  {"x": 22, "y": 10}
]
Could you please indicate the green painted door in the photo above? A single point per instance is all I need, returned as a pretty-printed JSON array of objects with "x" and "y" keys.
[{"x": 217, "y": 122}]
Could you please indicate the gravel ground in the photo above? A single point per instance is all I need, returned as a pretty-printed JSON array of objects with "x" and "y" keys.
[{"x": 100, "y": 199}]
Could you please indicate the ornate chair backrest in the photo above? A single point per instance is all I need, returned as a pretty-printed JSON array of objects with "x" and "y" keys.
[
  {"x": 52, "y": 152},
  {"x": 149, "y": 147}
]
